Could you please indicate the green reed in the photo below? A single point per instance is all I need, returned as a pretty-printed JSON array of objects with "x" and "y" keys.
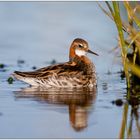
[
  {"x": 129, "y": 45},
  {"x": 128, "y": 37},
  {"x": 124, "y": 122},
  {"x": 130, "y": 122}
]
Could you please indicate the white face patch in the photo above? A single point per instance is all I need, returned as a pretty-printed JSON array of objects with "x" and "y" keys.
[{"x": 80, "y": 52}]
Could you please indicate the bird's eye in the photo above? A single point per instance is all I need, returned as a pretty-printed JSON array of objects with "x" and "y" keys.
[{"x": 80, "y": 46}]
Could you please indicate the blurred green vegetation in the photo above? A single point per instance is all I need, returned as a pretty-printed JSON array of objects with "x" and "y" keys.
[
  {"x": 128, "y": 37},
  {"x": 129, "y": 45}
]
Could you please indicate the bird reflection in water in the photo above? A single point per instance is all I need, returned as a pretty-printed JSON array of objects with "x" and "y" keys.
[{"x": 79, "y": 102}]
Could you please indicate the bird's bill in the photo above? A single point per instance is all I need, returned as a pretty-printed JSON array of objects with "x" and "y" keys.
[{"x": 89, "y": 51}]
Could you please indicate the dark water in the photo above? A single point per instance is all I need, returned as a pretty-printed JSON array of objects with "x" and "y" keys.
[{"x": 39, "y": 32}]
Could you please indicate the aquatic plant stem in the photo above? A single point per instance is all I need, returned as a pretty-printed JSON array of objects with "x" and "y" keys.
[
  {"x": 131, "y": 15},
  {"x": 131, "y": 42},
  {"x": 118, "y": 22},
  {"x": 124, "y": 122}
]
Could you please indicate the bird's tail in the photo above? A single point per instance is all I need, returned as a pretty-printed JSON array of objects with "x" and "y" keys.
[
  {"x": 19, "y": 75},
  {"x": 25, "y": 77}
]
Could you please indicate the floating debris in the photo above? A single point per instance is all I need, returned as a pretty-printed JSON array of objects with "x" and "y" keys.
[
  {"x": 53, "y": 61},
  {"x": 34, "y": 67},
  {"x": 20, "y": 61},
  {"x": 2, "y": 66},
  {"x": 118, "y": 102},
  {"x": 10, "y": 80}
]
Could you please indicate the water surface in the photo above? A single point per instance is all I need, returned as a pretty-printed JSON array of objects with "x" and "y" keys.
[{"x": 39, "y": 32}]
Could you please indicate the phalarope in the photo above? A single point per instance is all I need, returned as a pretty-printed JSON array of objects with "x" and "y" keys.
[{"x": 79, "y": 71}]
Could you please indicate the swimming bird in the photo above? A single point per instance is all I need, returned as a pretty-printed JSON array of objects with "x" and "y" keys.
[{"x": 79, "y": 71}]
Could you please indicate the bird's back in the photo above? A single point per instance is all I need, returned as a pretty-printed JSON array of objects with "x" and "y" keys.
[{"x": 70, "y": 74}]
